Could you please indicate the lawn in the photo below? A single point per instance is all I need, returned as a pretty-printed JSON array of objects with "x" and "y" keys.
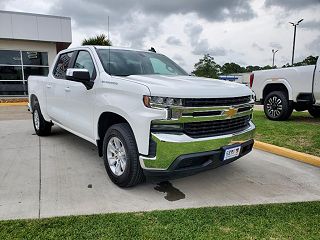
[
  {"x": 273, "y": 221},
  {"x": 300, "y": 132}
]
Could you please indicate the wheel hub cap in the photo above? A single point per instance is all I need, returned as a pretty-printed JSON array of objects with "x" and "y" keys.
[
  {"x": 116, "y": 155},
  {"x": 274, "y": 106},
  {"x": 36, "y": 119}
]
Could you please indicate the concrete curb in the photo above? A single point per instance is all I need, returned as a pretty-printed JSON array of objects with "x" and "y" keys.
[
  {"x": 285, "y": 152},
  {"x": 14, "y": 104}
]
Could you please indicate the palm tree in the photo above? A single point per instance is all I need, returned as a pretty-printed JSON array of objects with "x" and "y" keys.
[{"x": 101, "y": 40}]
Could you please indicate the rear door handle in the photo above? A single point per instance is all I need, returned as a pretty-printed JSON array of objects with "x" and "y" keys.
[
  {"x": 49, "y": 86},
  {"x": 67, "y": 89}
]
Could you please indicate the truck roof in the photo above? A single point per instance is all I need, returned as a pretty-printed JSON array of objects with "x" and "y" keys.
[{"x": 103, "y": 47}]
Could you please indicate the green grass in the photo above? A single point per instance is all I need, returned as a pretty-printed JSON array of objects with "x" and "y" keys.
[
  {"x": 300, "y": 132},
  {"x": 273, "y": 221}
]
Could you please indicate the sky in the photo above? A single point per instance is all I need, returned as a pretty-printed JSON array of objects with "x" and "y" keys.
[{"x": 241, "y": 31}]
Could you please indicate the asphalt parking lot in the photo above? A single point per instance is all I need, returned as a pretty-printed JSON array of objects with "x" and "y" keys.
[{"x": 63, "y": 175}]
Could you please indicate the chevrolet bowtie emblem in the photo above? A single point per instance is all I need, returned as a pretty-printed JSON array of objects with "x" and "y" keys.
[{"x": 231, "y": 112}]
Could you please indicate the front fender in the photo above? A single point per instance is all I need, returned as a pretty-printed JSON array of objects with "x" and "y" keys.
[
  {"x": 126, "y": 99},
  {"x": 139, "y": 121}
]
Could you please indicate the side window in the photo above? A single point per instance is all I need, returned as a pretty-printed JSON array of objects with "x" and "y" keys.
[
  {"x": 84, "y": 60},
  {"x": 62, "y": 65}
]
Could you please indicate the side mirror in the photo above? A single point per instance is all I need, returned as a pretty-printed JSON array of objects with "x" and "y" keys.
[{"x": 79, "y": 75}]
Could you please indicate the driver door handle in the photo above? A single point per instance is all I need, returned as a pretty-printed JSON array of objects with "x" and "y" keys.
[
  {"x": 67, "y": 89},
  {"x": 49, "y": 85}
]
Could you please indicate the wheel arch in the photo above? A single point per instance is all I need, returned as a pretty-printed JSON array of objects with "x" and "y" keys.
[
  {"x": 105, "y": 121},
  {"x": 277, "y": 86}
]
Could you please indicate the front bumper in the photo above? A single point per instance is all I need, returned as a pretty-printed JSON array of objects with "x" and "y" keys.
[{"x": 169, "y": 147}]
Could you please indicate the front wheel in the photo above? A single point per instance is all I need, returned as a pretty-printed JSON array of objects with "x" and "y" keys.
[
  {"x": 277, "y": 106},
  {"x": 314, "y": 112},
  {"x": 41, "y": 126},
  {"x": 120, "y": 155}
]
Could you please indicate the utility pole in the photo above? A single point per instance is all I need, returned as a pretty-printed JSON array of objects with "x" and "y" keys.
[
  {"x": 108, "y": 28},
  {"x": 294, "y": 37},
  {"x": 273, "y": 55}
]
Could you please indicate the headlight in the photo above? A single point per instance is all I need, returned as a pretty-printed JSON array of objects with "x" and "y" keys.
[{"x": 161, "y": 101}]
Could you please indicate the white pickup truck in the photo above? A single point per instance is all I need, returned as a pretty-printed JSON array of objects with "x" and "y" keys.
[
  {"x": 145, "y": 114},
  {"x": 285, "y": 89}
]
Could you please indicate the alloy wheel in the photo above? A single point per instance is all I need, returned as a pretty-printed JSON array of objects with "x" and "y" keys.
[
  {"x": 36, "y": 119},
  {"x": 116, "y": 155},
  {"x": 274, "y": 106}
]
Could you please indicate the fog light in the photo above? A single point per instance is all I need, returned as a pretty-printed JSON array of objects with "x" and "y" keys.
[{"x": 166, "y": 127}]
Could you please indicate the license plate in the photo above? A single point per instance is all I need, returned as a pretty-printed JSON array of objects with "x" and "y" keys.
[{"x": 231, "y": 153}]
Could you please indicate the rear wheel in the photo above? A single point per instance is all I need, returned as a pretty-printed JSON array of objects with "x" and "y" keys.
[
  {"x": 41, "y": 126},
  {"x": 277, "y": 106},
  {"x": 121, "y": 158},
  {"x": 314, "y": 111}
]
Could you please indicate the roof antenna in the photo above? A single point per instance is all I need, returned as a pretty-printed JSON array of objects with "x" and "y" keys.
[{"x": 109, "y": 44}]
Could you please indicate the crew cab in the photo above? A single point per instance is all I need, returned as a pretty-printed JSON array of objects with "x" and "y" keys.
[
  {"x": 285, "y": 89},
  {"x": 145, "y": 114}
]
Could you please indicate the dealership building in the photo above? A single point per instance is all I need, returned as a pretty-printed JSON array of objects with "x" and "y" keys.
[{"x": 28, "y": 46}]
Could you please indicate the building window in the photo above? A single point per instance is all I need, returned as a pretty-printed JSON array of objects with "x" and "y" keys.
[
  {"x": 35, "y": 58},
  {"x": 17, "y": 66},
  {"x": 8, "y": 57},
  {"x": 10, "y": 73}
]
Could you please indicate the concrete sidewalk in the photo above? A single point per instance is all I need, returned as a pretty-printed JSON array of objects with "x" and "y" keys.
[{"x": 63, "y": 175}]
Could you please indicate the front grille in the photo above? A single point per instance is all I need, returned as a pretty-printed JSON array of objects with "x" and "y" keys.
[
  {"x": 214, "y": 128},
  {"x": 206, "y": 102}
]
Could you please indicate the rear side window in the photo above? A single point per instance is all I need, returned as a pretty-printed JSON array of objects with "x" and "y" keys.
[{"x": 62, "y": 65}]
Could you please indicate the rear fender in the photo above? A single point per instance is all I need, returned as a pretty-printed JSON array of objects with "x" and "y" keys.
[{"x": 279, "y": 81}]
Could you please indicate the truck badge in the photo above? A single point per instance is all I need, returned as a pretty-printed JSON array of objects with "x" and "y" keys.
[{"x": 231, "y": 112}]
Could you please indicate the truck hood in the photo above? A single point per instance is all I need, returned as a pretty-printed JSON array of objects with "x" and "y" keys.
[{"x": 190, "y": 86}]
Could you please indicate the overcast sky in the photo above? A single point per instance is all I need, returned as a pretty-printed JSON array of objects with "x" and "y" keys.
[{"x": 240, "y": 31}]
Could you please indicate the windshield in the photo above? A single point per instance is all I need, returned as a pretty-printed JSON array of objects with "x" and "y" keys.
[{"x": 127, "y": 62}]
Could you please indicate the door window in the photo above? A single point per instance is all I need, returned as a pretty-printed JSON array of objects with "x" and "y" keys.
[{"x": 84, "y": 61}]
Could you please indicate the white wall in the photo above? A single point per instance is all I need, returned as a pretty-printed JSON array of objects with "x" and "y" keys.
[
  {"x": 30, "y": 46},
  {"x": 26, "y": 26}
]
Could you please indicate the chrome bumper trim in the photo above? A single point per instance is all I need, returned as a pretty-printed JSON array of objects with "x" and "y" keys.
[
  {"x": 171, "y": 146},
  {"x": 181, "y": 114}
]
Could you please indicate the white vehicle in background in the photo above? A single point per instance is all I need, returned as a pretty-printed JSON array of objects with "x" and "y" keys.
[
  {"x": 145, "y": 114},
  {"x": 242, "y": 78},
  {"x": 285, "y": 89}
]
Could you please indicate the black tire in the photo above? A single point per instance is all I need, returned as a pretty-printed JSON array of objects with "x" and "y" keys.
[
  {"x": 132, "y": 173},
  {"x": 314, "y": 112},
  {"x": 44, "y": 127},
  {"x": 277, "y": 106}
]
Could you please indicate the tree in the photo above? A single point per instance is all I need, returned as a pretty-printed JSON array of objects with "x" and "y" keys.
[
  {"x": 229, "y": 68},
  {"x": 252, "y": 68},
  {"x": 311, "y": 60},
  {"x": 267, "y": 67},
  {"x": 206, "y": 67},
  {"x": 100, "y": 40},
  {"x": 286, "y": 65}
]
